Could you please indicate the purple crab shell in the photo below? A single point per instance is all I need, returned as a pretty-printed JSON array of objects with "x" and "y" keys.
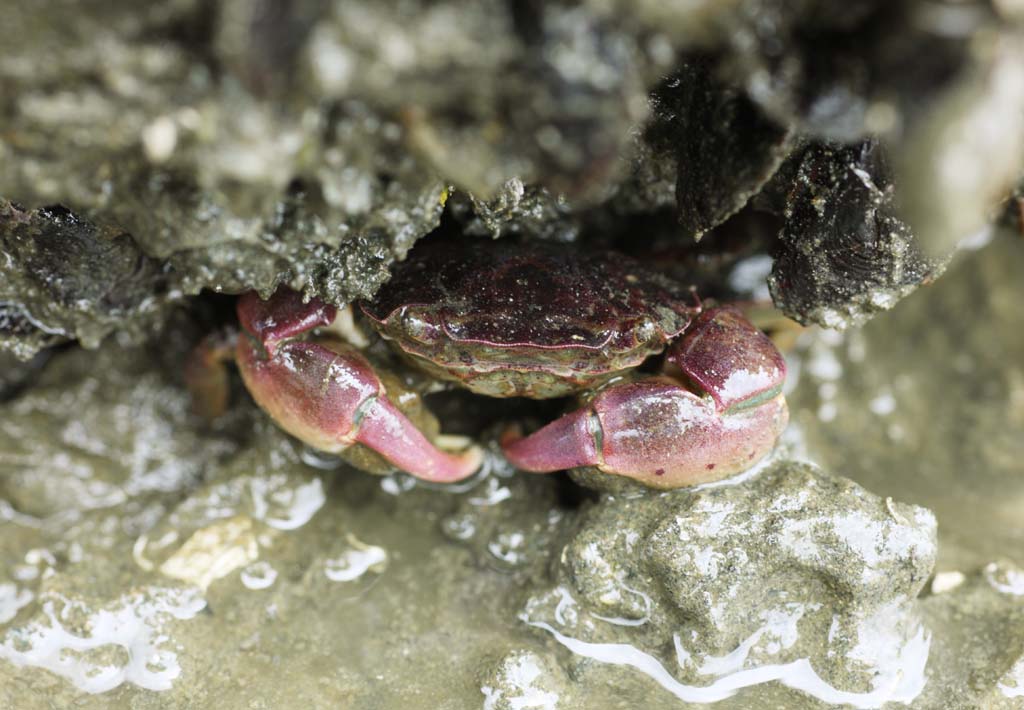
[{"x": 527, "y": 320}]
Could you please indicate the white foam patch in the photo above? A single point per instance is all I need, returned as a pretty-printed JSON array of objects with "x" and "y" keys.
[
  {"x": 126, "y": 642},
  {"x": 12, "y": 598},
  {"x": 902, "y": 681},
  {"x": 1005, "y": 579},
  {"x": 353, "y": 563},
  {"x": 258, "y": 575},
  {"x": 285, "y": 506}
]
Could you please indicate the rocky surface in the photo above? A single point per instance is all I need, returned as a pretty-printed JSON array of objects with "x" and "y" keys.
[
  {"x": 153, "y": 155},
  {"x": 231, "y": 146},
  {"x": 148, "y": 560},
  {"x": 792, "y": 575},
  {"x": 845, "y": 254}
]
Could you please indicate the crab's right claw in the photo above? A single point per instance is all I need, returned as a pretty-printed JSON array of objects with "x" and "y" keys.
[
  {"x": 718, "y": 421},
  {"x": 327, "y": 395}
]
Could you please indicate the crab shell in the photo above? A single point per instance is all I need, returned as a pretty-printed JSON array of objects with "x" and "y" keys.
[{"x": 538, "y": 321}]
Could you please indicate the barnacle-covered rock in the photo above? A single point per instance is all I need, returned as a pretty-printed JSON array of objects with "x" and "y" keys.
[
  {"x": 794, "y": 570},
  {"x": 245, "y": 145},
  {"x": 353, "y": 209},
  {"x": 517, "y": 209},
  {"x": 845, "y": 254}
]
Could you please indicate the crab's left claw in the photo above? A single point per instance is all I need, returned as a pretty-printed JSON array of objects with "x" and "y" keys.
[
  {"x": 664, "y": 434},
  {"x": 732, "y": 361}
]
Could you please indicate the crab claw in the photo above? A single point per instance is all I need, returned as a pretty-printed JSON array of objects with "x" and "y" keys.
[
  {"x": 322, "y": 392},
  {"x": 730, "y": 359},
  {"x": 284, "y": 315},
  {"x": 327, "y": 395},
  {"x": 663, "y": 434}
]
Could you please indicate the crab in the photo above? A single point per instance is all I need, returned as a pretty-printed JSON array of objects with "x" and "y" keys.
[{"x": 521, "y": 320}]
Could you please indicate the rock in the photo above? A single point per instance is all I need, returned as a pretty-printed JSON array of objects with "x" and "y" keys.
[
  {"x": 725, "y": 148},
  {"x": 97, "y": 431},
  {"x": 845, "y": 254},
  {"x": 794, "y": 575},
  {"x": 66, "y": 278},
  {"x": 524, "y": 680}
]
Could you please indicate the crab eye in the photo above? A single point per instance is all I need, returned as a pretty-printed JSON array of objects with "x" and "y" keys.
[
  {"x": 645, "y": 330},
  {"x": 417, "y": 328}
]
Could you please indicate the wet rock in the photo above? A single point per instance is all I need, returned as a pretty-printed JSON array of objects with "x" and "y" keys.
[
  {"x": 357, "y": 204},
  {"x": 524, "y": 679},
  {"x": 1013, "y": 214},
  {"x": 543, "y": 92},
  {"x": 133, "y": 129},
  {"x": 517, "y": 210},
  {"x": 794, "y": 569},
  {"x": 845, "y": 254},
  {"x": 985, "y": 649},
  {"x": 245, "y": 145},
  {"x": 725, "y": 148},
  {"x": 843, "y": 70},
  {"x": 965, "y": 155},
  {"x": 63, "y": 277},
  {"x": 119, "y": 640},
  {"x": 944, "y": 407},
  {"x": 98, "y": 431},
  {"x": 508, "y": 522},
  {"x": 16, "y": 374},
  {"x": 268, "y": 489}
]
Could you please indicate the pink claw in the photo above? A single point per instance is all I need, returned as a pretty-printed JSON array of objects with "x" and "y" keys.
[
  {"x": 664, "y": 435},
  {"x": 730, "y": 359},
  {"x": 284, "y": 315},
  {"x": 327, "y": 394}
]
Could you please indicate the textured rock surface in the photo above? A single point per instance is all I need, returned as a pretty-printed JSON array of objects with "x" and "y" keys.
[
  {"x": 801, "y": 574},
  {"x": 267, "y": 563},
  {"x": 239, "y": 145},
  {"x": 102, "y": 431},
  {"x": 149, "y": 152},
  {"x": 845, "y": 254}
]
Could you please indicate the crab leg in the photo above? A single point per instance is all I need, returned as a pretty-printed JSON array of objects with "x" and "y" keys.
[{"x": 206, "y": 374}]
